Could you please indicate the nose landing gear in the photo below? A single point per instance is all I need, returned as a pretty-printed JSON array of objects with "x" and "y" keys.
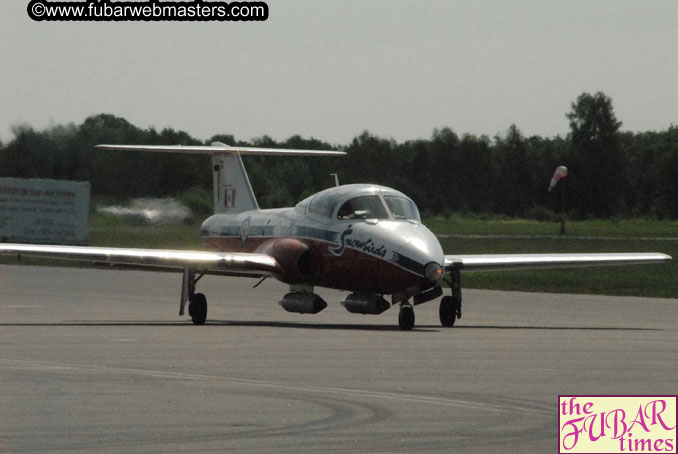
[
  {"x": 406, "y": 316},
  {"x": 450, "y": 306}
]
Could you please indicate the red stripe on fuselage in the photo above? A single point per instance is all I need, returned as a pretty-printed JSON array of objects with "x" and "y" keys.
[{"x": 353, "y": 270}]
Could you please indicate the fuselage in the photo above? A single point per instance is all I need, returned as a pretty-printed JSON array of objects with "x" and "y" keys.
[{"x": 361, "y": 238}]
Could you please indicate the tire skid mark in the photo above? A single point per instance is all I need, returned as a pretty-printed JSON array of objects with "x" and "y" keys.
[
  {"x": 342, "y": 413},
  {"x": 346, "y": 408},
  {"x": 512, "y": 407}
]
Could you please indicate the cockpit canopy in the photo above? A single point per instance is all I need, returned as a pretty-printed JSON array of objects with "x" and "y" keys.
[{"x": 361, "y": 201}]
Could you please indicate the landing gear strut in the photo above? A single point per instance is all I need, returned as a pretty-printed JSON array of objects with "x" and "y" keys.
[
  {"x": 197, "y": 302},
  {"x": 406, "y": 317},
  {"x": 450, "y": 306}
]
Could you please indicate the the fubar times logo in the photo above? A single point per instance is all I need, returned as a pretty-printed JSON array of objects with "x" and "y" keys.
[{"x": 617, "y": 424}]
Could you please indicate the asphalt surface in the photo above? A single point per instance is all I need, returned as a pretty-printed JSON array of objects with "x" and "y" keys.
[{"x": 99, "y": 361}]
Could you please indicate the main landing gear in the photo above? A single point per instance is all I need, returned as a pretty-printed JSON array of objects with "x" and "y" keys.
[
  {"x": 197, "y": 302},
  {"x": 450, "y": 306},
  {"x": 197, "y": 309}
]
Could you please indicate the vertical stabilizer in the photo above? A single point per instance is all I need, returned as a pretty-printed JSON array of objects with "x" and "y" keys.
[{"x": 232, "y": 190}]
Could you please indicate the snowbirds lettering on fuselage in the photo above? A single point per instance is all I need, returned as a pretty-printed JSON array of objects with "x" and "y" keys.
[{"x": 367, "y": 246}]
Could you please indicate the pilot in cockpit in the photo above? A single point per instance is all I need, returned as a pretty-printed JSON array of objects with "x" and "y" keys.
[{"x": 364, "y": 207}]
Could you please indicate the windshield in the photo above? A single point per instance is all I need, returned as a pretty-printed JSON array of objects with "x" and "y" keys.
[
  {"x": 402, "y": 208},
  {"x": 364, "y": 207}
]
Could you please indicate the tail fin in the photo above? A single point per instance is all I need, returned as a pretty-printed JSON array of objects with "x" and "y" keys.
[{"x": 232, "y": 190}]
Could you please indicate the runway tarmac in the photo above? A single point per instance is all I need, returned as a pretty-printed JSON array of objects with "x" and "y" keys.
[{"x": 99, "y": 361}]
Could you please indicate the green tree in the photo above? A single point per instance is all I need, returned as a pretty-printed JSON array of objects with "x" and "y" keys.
[
  {"x": 516, "y": 183},
  {"x": 442, "y": 170},
  {"x": 476, "y": 178},
  {"x": 597, "y": 165},
  {"x": 611, "y": 173},
  {"x": 367, "y": 161}
]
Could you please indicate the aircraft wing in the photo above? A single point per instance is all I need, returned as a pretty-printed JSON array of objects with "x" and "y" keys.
[
  {"x": 245, "y": 264},
  {"x": 499, "y": 262}
]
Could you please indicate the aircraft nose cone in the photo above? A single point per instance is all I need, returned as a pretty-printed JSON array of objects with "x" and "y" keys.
[{"x": 422, "y": 246}]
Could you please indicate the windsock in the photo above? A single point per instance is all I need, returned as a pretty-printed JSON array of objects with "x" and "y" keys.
[{"x": 561, "y": 172}]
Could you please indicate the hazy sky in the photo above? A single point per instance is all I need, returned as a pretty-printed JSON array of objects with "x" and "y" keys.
[{"x": 331, "y": 69}]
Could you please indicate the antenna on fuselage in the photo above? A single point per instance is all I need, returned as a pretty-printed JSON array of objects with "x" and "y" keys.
[{"x": 336, "y": 178}]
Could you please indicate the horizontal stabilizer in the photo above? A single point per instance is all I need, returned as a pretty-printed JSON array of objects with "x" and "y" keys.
[{"x": 220, "y": 148}]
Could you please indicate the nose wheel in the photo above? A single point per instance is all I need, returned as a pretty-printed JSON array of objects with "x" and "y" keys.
[{"x": 406, "y": 317}]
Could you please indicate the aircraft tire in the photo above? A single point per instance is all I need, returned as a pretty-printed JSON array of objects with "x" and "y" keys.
[
  {"x": 406, "y": 318},
  {"x": 197, "y": 309},
  {"x": 448, "y": 313}
]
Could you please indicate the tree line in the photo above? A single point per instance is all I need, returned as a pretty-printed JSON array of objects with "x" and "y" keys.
[{"x": 611, "y": 173}]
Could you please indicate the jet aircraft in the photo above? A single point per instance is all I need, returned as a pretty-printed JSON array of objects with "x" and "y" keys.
[{"x": 362, "y": 238}]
